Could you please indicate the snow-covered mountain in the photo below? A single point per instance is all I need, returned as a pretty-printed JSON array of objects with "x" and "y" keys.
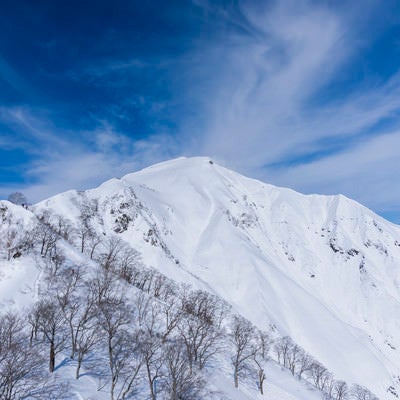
[{"x": 323, "y": 270}]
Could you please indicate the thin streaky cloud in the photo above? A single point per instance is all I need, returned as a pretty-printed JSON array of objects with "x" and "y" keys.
[{"x": 270, "y": 89}]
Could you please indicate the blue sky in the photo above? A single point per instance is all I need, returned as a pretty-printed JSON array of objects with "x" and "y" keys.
[{"x": 304, "y": 94}]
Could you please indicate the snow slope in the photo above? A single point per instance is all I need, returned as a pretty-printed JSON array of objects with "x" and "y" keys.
[{"x": 321, "y": 269}]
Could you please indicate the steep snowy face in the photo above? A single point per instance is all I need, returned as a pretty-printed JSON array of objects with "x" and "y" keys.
[{"x": 322, "y": 269}]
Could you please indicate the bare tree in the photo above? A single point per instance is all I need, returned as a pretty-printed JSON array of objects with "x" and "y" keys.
[
  {"x": 201, "y": 326},
  {"x": 69, "y": 300},
  {"x": 143, "y": 278},
  {"x": 108, "y": 259},
  {"x": 181, "y": 382},
  {"x": 304, "y": 363},
  {"x": 50, "y": 322},
  {"x": 85, "y": 230},
  {"x": 86, "y": 338},
  {"x": 14, "y": 238},
  {"x": 262, "y": 344},
  {"x": 11, "y": 238},
  {"x": 152, "y": 350},
  {"x": 63, "y": 227},
  {"x": 359, "y": 392},
  {"x": 17, "y": 198},
  {"x": 201, "y": 339},
  {"x": 319, "y": 374},
  {"x": 46, "y": 235},
  {"x": 294, "y": 357},
  {"x": 148, "y": 314},
  {"x": 203, "y": 305},
  {"x": 79, "y": 311},
  {"x": 172, "y": 316},
  {"x": 340, "y": 390},
  {"x": 163, "y": 288},
  {"x": 242, "y": 334},
  {"x": 21, "y": 372},
  {"x": 328, "y": 386},
  {"x": 282, "y": 350},
  {"x": 114, "y": 318},
  {"x": 127, "y": 360},
  {"x": 102, "y": 286},
  {"x": 93, "y": 242}
]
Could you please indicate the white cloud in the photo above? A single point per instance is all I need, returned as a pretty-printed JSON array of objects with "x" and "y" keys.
[
  {"x": 261, "y": 104},
  {"x": 62, "y": 162},
  {"x": 368, "y": 172},
  {"x": 247, "y": 94}
]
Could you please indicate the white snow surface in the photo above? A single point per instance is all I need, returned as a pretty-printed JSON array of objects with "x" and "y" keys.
[{"x": 321, "y": 269}]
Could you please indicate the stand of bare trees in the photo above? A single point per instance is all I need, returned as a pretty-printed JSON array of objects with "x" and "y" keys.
[{"x": 302, "y": 365}]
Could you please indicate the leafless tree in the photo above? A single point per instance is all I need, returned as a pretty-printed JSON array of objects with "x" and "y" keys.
[
  {"x": 79, "y": 311},
  {"x": 112, "y": 249},
  {"x": 282, "y": 350},
  {"x": 242, "y": 335},
  {"x": 63, "y": 227},
  {"x": 152, "y": 350},
  {"x": 85, "y": 230},
  {"x": 86, "y": 338},
  {"x": 163, "y": 288},
  {"x": 180, "y": 381},
  {"x": 21, "y": 372},
  {"x": 46, "y": 235},
  {"x": 304, "y": 363},
  {"x": 262, "y": 344},
  {"x": 33, "y": 322},
  {"x": 328, "y": 386},
  {"x": 50, "y": 322},
  {"x": 143, "y": 279},
  {"x": 203, "y": 305},
  {"x": 172, "y": 313},
  {"x": 69, "y": 301},
  {"x": 340, "y": 390},
  {"x": 319, "y": 374},
  {"x": 17, "y": 198},
  {"x": 127, "y": 363},
  {"x": 93, "y": 242},
  {"x": 359, "y": 392},
  {"x": 11, "y": 239},
  {"x": 114, "y": 317},
  {"x": 294, "y": 357},
  {"x": 102, "y": 286},
  {"x": 201, "y": 339},
  {"x": 201, "y": 326},
  {"x": 148, "y": 314}
]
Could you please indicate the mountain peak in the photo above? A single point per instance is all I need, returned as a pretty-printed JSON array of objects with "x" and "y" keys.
[{"x": 320, "y": 269}]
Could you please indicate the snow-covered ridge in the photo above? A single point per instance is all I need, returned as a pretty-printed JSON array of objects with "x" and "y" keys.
[{"x": 322, "y": 269}]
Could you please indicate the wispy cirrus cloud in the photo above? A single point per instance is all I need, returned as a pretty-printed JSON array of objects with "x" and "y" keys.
[
  {"x": 63, "y": 160},
  {"x": 262, "y": 82},
  {"x": 271, "y": 109},
  {"x": 284, "y": 90},
  {"x": 368, "y": 171}
]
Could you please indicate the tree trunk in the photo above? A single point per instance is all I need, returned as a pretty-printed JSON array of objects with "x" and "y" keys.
[
  {"x": 236, "y": 379},
  {"x": 151, "y": 382},
  {"x": 261, "y": 378},
  {"x": 78, "y": 368},
  {"x": 73, "y": 340},
  {"x": 113, "y": 383},
  {"x": 52, "y": 358}
]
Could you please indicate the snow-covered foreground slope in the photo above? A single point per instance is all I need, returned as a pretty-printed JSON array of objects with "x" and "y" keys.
[{"x": 321, "y": 269}]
